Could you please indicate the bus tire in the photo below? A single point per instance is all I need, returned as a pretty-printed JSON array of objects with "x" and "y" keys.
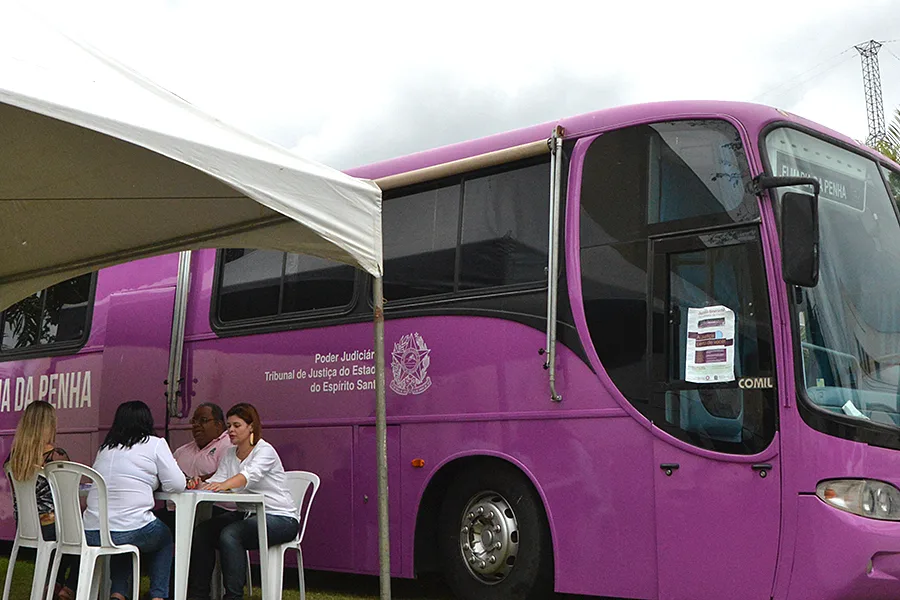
[{"x": 494, "y": 541}]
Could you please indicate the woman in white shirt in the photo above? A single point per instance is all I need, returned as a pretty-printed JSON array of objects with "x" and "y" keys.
[
  {"x": 250, "y": 465},
  {"x": 134, "y": 463}
]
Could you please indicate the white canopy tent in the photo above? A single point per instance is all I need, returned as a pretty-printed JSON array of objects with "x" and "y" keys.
[{"x": 100, "y": 166}]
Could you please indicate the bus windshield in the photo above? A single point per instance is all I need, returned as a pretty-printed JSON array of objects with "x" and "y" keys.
[{"x": 849, "y": 325}]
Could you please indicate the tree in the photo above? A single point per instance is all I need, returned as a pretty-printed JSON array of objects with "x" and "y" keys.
[
  {"x": 890, "y": 145},
  {"x": 36, "y": 319}
]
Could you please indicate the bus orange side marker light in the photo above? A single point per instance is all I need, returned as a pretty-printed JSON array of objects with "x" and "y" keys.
[{"x": 418, "y": 462}]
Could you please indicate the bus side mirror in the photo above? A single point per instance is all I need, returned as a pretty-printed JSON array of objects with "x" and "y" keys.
[{"x": 800, "y": 239}]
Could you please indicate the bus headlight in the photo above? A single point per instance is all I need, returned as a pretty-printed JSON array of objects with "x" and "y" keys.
[{"x": 863, "y": 497}]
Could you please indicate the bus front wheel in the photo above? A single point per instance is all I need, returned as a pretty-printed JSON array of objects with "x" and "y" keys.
[{"x": 494, "y": 538}]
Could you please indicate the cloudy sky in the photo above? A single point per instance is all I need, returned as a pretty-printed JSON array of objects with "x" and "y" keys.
[{"x": 347, "y": 83}]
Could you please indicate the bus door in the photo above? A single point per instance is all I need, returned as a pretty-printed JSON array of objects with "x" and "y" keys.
[
  {"x": 717, "y": 475},
  {"x": 137, "y": 346}
]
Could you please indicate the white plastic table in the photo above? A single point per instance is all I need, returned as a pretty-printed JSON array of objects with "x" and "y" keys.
[{"x": 186, "y": 509}]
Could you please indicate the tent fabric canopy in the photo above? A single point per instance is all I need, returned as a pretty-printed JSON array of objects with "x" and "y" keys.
[{"x": 98, "y": 165}]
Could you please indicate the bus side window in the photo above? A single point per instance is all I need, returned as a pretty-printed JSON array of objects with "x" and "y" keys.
[
  {"x": 718, "y": 276},
  {"x": 312, "y": 283},
  {"x": 55, "y": 316},
  {"x": 266, "y": 284},
  {"x": 249, "y": 283},
  {"x": 472, "y": 232},
  {"x": 504, "y": 228},
  {"x": 722, "y": 416},
  {"x": 614, "y": 287},
  {"x": 696, "y": 170},
  {"x": 420, "y": 238}
]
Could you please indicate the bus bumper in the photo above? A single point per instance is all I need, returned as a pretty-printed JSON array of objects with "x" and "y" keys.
[{"x": 842, "y": 556}]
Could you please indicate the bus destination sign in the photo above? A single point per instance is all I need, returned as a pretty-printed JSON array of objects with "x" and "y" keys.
[{"x": 833, "y": 185}]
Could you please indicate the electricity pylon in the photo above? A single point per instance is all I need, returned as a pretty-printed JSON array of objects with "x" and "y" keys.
[{"x": 872, "y": 84}]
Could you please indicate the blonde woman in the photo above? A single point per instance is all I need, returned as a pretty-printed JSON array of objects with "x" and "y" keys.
[{"x": 34, "y": 445}]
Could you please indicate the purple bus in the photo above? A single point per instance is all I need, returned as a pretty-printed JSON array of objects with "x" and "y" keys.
[{"x": 647, "y": 352}]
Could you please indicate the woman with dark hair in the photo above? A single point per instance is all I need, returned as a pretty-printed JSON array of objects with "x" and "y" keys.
[
  {"x": 134, "y": 462},
  {"x": 250, "y": 465}
]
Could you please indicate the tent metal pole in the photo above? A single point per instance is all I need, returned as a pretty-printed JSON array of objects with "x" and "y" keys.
[{"x": 384, "y": 544}]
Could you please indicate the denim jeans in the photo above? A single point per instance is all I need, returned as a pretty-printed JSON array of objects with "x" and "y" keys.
[
  {"x": 154, "y": 540},
  {"x": 168, "y": 517},
  {"x": 232, "y": 535}
]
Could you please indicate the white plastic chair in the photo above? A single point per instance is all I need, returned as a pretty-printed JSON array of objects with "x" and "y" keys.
[
  {"x": 28, "y": 535},
  {"x": 298, "y": 483},
  {"x": 65, "y": 478}
]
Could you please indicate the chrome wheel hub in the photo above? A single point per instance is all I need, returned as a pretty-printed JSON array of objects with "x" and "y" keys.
[{"x": 489, "y": 537}]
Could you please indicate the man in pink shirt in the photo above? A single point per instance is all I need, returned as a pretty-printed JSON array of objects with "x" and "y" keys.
[{"x": 200, "y": 458}]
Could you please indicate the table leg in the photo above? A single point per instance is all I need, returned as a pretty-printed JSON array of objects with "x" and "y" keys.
[
  {"x": 185, "y": 508},
  {"x": 263, "y": 553}
]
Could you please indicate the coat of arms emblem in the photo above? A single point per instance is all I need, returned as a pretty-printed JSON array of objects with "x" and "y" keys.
[{"x": 409, "y": 363}]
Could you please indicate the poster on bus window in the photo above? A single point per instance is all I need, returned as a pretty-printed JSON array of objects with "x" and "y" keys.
[{"x": 710, "y": 345}]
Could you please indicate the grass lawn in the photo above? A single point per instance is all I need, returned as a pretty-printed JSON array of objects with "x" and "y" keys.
[{"x": 319, "y": 586}]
